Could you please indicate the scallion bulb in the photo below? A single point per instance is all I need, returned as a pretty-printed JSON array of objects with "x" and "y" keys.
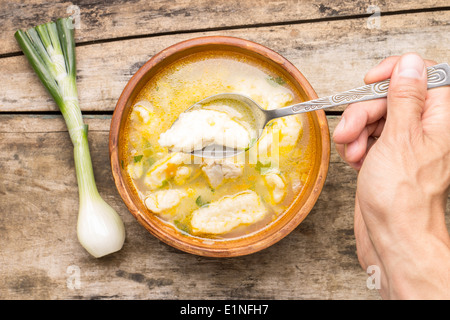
[{"x": 100, "y": 230}]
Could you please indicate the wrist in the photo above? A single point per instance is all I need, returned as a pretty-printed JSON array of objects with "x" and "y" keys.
[
  {"x": 404, "y": 221},
  {"x": 420, "y": 270},
  {"x": 413, "y": 245},
  {"x": 407, "y": 232}
]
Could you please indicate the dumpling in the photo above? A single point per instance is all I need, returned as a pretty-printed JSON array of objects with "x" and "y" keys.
[
  {"x": 166, "y": 169},
  {"x": 228, "y": 213},
  {"x": 276, "y": 186},
  {"x": 164, "y": 200}
]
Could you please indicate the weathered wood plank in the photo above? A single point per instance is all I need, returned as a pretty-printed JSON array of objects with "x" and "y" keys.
[
  {"x": 333, "y": 55},
  {"x": 40, "y": 252},
  {"x": 38, "y": 208},
  {"x": 122, "y": 18}
]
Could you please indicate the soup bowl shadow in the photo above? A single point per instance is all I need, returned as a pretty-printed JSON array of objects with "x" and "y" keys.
[{"x": 265, "y": 237}]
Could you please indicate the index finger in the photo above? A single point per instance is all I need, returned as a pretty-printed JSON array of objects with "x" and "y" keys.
[{"x": 384, "y": 69}]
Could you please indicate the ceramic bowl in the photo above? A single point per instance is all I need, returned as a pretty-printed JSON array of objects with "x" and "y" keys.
[{"x": 301, "y": 205}]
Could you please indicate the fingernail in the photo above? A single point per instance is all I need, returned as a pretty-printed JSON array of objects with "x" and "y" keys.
[
  {"x": 411, "y": 66},
  {"x": 340, "y": 126}
]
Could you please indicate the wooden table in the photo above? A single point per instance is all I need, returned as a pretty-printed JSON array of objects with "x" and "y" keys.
[{"x": 333, "y": 43}]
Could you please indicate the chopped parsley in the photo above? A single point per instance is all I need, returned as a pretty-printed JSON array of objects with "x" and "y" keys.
[
  {"x": 181, "y": 226},
  {"x": 276, "y": 81},
  {"x": 200, "y": 202},
  {"x": 263, "y": 168},
  {"x": 138, "y": 158}
]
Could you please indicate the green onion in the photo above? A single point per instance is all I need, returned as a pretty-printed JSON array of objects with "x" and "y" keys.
[
  {"x": 50, "y": 49},
  {"x": 138, "y": 158},
  {"x": 276, "y": 81},
  {"x": 200, "y": 202},
  {"x": 263, "y": 168}
]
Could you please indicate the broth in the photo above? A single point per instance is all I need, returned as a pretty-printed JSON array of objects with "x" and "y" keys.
[{"x": 225, "y": 198}]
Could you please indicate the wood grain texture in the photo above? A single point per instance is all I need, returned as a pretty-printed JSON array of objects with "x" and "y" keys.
[
  {"x": 102, "y": 20},
  {"x": 333, "y": 55},
  {"x": 331, "y": 44},
  {"x": 38, "y": 212}
]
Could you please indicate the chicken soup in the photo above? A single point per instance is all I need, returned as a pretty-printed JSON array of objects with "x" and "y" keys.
[{"x": 216, "y": 198}]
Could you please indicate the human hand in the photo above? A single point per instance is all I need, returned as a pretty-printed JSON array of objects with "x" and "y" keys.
[{"x": 401, "y": 148}]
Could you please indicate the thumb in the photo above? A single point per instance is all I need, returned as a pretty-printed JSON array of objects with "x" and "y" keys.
[{"x": 406, "y": 95}]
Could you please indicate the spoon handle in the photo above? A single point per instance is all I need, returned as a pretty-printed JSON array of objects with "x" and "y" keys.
[{"x": 438, "y": 75}]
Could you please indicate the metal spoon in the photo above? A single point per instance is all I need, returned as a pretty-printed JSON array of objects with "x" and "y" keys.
[{"x": 438, "y": 75}]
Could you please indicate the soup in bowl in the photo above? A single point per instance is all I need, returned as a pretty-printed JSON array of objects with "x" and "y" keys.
[{"x": 217, "y": 206}]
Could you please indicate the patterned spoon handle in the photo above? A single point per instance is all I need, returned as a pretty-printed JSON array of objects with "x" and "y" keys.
[{"x": 438, "y": 75}]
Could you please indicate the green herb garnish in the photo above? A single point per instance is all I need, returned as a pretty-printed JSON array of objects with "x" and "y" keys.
[
  {"x": 138, "y": 158},
  {"x": 164, "y": 184},
  {"x": 200, "y": 202},
  {"x": 263, "y": 168},
  {"x": 251, "y": 144},
  {"x": 276, "y": 81},
  {"x": 182, "y": 226}
]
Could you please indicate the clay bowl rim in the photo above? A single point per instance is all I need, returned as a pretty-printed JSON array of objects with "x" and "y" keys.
[{"x": 260, "y": 239}]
